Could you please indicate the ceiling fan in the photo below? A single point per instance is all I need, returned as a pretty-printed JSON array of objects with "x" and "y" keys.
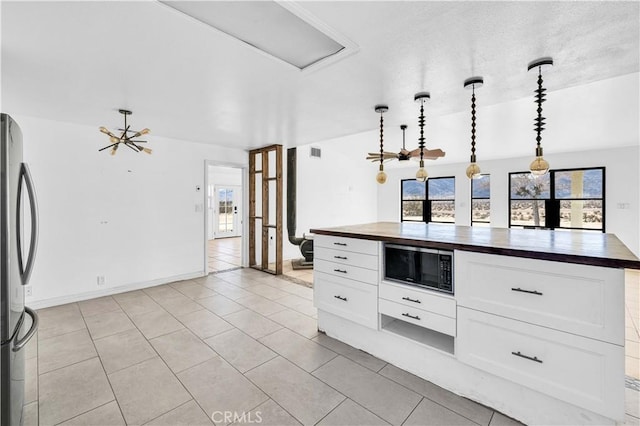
[
  {"x": 404, "y": 154},
  {"x": 125, "y": 138}
]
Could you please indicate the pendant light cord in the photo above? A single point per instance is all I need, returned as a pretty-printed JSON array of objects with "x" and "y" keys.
[
  {"x": 421, "y": 123},
  {"x": 473, "y": 123},
  {"x": 381, "y": 134},
  {"x": 540, "y": 98}
]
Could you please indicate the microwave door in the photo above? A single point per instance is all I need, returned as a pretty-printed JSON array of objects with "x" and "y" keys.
[{"x": 429, "y": 269}]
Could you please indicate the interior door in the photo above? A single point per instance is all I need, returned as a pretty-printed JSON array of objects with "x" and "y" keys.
[{"x": 227, "y": 211}]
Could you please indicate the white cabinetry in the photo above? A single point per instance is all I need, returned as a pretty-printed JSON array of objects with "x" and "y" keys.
[
  {"x": 553, "y": 327},
  {"x": 346, "y": 278}
]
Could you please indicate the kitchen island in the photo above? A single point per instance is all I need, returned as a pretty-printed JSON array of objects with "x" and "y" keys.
[{"x": 534, "y": 326}]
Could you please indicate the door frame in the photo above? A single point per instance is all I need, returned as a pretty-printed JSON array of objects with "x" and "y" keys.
[
  {"x": 237, "y": 203},
  {"x": 245, "y": 210}
]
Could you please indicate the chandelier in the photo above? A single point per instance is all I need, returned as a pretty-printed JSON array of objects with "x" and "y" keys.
[
  {"x": 539, "y": 166},
  {"x": 125, "y": 137}
]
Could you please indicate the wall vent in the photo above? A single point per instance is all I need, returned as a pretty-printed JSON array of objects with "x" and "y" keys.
[{"x": 315, "y": 152}]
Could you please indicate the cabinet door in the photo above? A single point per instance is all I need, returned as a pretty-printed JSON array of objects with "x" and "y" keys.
[
  {"x": 584, "y": 372},
  {"x": 580, "y": 299}
]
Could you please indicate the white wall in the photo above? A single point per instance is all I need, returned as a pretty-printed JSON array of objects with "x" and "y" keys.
[
  {"x": 131, "y": 217},
  {"x": 337, "y": 189},
  {"x": 621, "y": 176}
]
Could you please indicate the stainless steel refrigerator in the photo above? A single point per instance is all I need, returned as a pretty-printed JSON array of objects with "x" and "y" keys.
[{"x": 19, "y": 236}]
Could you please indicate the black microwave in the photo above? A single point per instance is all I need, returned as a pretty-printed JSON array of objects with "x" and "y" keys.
[{"x": 421, "y": 267}]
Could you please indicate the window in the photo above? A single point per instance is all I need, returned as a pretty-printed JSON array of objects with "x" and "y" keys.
[
  {"x": 433, "y": 201},
  {"x": 480, "y": 204},
  {"x": 561, "y": 199}
]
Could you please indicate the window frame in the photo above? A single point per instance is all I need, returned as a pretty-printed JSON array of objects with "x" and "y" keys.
[
  {"x": 402, "y": 200},
  {"x": 552, "y": 204},
  {"x": 426, "y": 202},
  {"x": 484, "y": 175}
]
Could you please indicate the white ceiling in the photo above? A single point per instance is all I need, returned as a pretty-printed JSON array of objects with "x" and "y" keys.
[{"x": 81, "y": 61}]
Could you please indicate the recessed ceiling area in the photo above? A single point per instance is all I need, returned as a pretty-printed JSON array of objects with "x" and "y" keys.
[
  {"x": 265, "y": 25},
  {"x": 82, "y": 61}
]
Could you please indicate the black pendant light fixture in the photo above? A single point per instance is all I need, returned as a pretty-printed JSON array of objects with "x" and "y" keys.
[
  {"x": 539, "y": 166},
  {"x": 473, "y": 171},
  {"x": 421, "y": 174},
  {"x": 381, "y": 177},
  {"x": 125, "y": 138}
]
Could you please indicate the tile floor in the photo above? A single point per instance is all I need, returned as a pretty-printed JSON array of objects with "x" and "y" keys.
[
  {"x": 240, "y": 341},
  {"x": 225, "y": 254}
]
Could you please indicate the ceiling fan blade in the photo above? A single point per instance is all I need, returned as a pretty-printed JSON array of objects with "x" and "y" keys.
[{"x": 432, "y": 154}]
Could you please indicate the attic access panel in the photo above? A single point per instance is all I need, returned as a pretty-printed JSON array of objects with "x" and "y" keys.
[{"x": 265, "y": 25}]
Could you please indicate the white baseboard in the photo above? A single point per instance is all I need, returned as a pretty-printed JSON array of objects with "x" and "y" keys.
[{"x": 55, "y": 301}]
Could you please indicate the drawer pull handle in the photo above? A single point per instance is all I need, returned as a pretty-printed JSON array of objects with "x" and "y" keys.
[
  {"x": 411, "y": 316},
  {"x": 411, "y": 300},
  {"x": 341, "y": 244},
  {"x": 530, "y": 358},
  {"x": 342, "y": 271},
  {"x": 537, "y": 293},
  {"x": 340, "y": 257},
  {"x": 344, "y": 299}
]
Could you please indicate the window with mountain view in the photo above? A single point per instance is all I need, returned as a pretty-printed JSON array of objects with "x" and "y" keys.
[
  {"x": 431, "y": 201},
  {"x": 480, "y": 204},
  {"x": 564, "y": 199}
]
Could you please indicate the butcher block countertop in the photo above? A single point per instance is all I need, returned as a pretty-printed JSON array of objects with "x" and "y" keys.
[{"x": 587, "y": 248}]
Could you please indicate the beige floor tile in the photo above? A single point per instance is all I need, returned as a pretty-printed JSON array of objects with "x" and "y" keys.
[
  {"x": 139, "y": 304},
  {"x": 31, "y": 349},
  {"x": 299, "y": 304},
  {"x": 631, "y": 421},
  {"x": 63, "y": 350},
  {"x": 632, "y": 402},
  {"x": 156, "y": 323},
  {"x": 255, "y": 325},
  {"x": 30, "y": 414},
  {"x": 376, "y": 393},
  {"x": 361, "y": 357},
  {"x": 463, "y": 406},
  {"x": 161, "y": 292},
  {"x": 106, "y": 415},
  {"x": 298, "y": 392},
  {"x": 31, "y": 381},
  {"x": 59, "y": 320},
  {"x": 240, "y": 350},
  {"x": 97, "y": 306},
  {"x": 189, "y": 414},
  {"x": 351, "y": 414},
  {"x": 217, "y": 386},
  {"x": 103, "y": 325},
  {"x": 196, "y": 291},
  {"x": 178, "y": 285},
  {"x": 429, "y": 413},
  {"x": 123, "y": 350},
  {"x": 179, "y": 305},
  {"x": 147, "y": 390},
  {"x": 233, "y": 292},
  {"x": 55, "y": 312},
  {"x": 260, "y": 304},
  {"x": 301, "y": 351},
  {"x": 182, "y": 350},
  {"x": 220, "y": 305},
  {"x": 632, "y": 367},
  {"x": 631, "y": 334},
  {"x": 632, "y": 349},
  {"x": 67, "y": 392},
  {"x": 502, "y": 420},
  {"x": 128, "y": 295},
  {"x": 269, "y": 292},
  {"x": 204, "y": 323},
  {"x": 301, "y": 324},
  {"x": 269, "y": 414}
]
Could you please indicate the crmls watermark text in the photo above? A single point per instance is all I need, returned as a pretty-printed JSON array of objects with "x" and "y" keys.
[{"x": 227, "y": 417}]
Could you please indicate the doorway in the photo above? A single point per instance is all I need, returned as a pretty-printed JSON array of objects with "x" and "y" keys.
[{"x": 224, "y": 213}]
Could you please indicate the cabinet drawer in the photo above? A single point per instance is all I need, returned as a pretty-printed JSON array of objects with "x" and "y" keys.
[
  {"x": 419, "y": 317},
  {"x": 353, "y": 300},
  {"x": 347, "y": 244},
  {"x": 575, "y": 369},
  {"x": 580, "y": 299},
  {"x": 367, "y": 261},
  {"x": 415, "y": 298},
  {"x": 368, "y": 276}
]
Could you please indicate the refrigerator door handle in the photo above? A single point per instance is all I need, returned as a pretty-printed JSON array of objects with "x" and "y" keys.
[
  {"x": 20, "y": 343},
  {"x": 25, "y": 270}
]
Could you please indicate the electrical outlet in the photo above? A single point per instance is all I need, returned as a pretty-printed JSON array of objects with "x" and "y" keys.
[
  {"x": 100, "y": 280},
  {"x": 28, "y": 291}
]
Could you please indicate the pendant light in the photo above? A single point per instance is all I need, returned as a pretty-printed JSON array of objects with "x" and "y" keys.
[
  {"x": 125, "y": 137},
  {"x": 381, "y": 177},
  {"x": 539, "y": 166},
  {"x": 421, "y": 174},
  {"x": 473, "y": 171}
]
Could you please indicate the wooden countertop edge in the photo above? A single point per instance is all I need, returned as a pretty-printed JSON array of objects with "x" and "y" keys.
[{"x": 529, "y": 254}]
